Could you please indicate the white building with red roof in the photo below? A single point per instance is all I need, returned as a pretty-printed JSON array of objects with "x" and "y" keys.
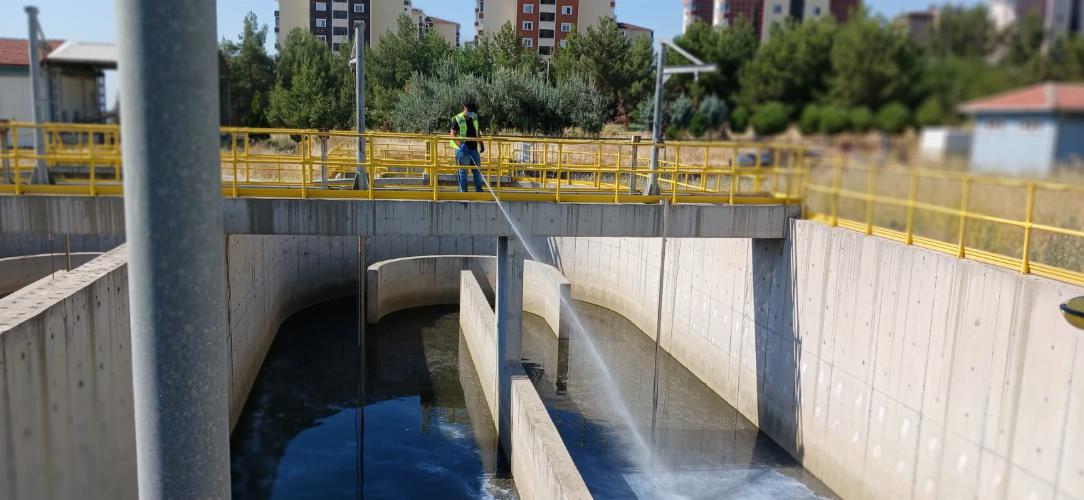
[
  {"x": 74, "y": 80},
  {"x": 1033, "y": 130}
]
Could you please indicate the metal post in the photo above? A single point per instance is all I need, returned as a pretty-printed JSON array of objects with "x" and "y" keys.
[
  {"x": 5, "y": 163},
  {"x": 361, "y": 179},
  {"x": 176, "y": 267},
  {"x": 37, "y": 96},
  {"x": 652, "y": 187},
  {"x": 635, "y": 156},
  {"x": 509, "y": 309},
  {"x": 323, "y": 158}
]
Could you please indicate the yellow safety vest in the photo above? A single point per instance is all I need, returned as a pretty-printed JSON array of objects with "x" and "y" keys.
[{"x": 461, "y": 120}]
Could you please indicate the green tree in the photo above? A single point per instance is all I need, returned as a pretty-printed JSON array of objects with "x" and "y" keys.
[
  {"x": 810, "y": 121},
  {"x": 713, "y": 111},
  {"x": 248, "y": 74},
  {"x": 502, "y": 49},
  {"x": 393, "y": 61},
  {"x": 791, "y": 67},
  {"x": 620, "y": 69},
  {"x": 963, "y": 32},
  {"x": 834, "y": 120},
  {"x": 893, "y": 118},
  {"x": 729, "y": 49},
  {"x": 771, "y": 119},
  {"x": 930, "y": 112},
  {"x": 680, "y": 112},
  {"x": 308, "y": 91},
  {"x": 1025, "y": 40},
  {"x": 872, "y": 64},
  {"x": 861, "y": 119}
]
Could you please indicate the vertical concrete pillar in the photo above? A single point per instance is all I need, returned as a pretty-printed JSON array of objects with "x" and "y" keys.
[
  {"x": 509, "y": 309},
  {"x": 173, "y": 219}
]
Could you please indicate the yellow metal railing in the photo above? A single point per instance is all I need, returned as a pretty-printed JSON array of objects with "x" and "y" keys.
[
  {"x": 290, "y": 163},
  {"x": 1031, "y": 226}
]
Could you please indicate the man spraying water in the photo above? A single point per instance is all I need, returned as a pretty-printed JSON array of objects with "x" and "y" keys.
[{"x": 467, "y": 153}]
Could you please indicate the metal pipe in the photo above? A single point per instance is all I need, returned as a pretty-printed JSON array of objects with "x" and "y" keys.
[
  {"x": 173, "y": 219},
  {"x": 652, "y": 187},
  {"x": 41, "y": 169}
]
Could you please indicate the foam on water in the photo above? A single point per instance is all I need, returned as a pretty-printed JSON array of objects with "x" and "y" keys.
[{"x": 748, "y": 484}]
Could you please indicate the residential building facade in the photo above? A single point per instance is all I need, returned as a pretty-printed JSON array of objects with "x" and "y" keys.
[
  {"x": 542, "y": 25},
  {"x": 765, "y": 14},
  {"x": 1002, "y": 13},
  {"x": 632, "y": 31},
  {"x": 1059, "y": 17},
  {"x": 333, "y": 21}
]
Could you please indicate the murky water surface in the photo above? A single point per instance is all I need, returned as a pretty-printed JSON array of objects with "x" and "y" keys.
[
  {"x": 703, "y": 448},
  {"x": 427, "y": 431}
]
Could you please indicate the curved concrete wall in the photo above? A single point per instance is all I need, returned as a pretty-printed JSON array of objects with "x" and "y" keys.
[
  {"x": 17, "y": 272},
  {"x": 889, "y": 371},
  {"x": 66, "y": 416},
  {"x": 398, "y": 284}
]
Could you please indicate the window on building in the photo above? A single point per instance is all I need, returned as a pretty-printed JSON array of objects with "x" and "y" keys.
[
  {"x": 528, "y": 8},
  {"x": 335, "y": 47},
  {"x": 816, "y": 11},
  {"x": 321, "y": 23},
  {"x": 1031, "y": 124},
  {"x": 528, "y": 42},
  {"x": 340, "y": 31},
  {"x": 340, "y": 14},
  {"x": 323, "y": 39},
  {"x": 548, "y": 2},
  {"x": 566, "y": 10},
  {"x": 994, "y": 123},
  {"x": 564, "y": 43},
  {"x": 566, "y": 27},
  {"x": 544, "y": 50},
  {"x": 359, "y": 8},
  {"x": 547, "y": 17},
  {"x": 545, "y": 33},
  {"x": 321, "y": 6},
  {"x": 528, "y": 26},
  {"x": 777, "y": 9}
]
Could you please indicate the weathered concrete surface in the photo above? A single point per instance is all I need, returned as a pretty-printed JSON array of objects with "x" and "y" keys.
[
  {"x": 66, "y": 415},
  {"x": 104, "y": 216},
  {"x": 889, "y": 371},
  {"x": 17, "y": 272},
  {"x": 406, "y": 283},
  {"x": 541, "y": 465},
  {"x": 20, "y": 244}
]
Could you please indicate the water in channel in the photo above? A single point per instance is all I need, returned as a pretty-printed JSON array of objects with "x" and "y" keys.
[
  {"x": 703, "y": 448},
  {"x": 427, "y": 431}
]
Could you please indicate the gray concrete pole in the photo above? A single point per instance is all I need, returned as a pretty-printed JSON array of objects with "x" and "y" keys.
[
  {"x": 173, "y": 219},
  {"x": 361, "y": 180},
  {"x": 37, "y": 96},
  {"x": 635, "y": 160},
  {"x": 509, "y": 309},
  {"x": 652, "y": 187}
]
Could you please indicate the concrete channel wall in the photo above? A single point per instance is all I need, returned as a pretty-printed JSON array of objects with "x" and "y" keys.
[
  {"x": 66, "y": 421},
  {"x": 889, "y": 371},
  {"x": 541, "y": 465},
  {"x": 398, "y": 284},
  {"x": 17, "y": 272}
]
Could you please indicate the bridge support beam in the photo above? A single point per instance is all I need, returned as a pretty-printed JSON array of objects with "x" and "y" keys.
[
  {"x": 509, "y": 312},
  {"x": 176, "y": 262}
]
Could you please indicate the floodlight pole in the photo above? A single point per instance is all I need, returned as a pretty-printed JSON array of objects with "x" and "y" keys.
[
  {"x": 662, "y": 73},
  {"x": 37, "y": 96}
]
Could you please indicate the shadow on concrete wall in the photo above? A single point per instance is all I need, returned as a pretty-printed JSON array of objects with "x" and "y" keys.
[{"x": 778, "y": 349}]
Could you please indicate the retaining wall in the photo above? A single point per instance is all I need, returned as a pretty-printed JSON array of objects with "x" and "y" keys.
[
  {"x": 66, "y": 416},
  {"x": 889, "y": 371},
  {"x": 541, "y": 465}
]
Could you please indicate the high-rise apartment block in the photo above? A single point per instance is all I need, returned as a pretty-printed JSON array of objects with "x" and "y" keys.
[
  {"x": 1059, "y": 17},
  {"x": 540, "y": 24},
  {"x": 764, "y": 14},
  {"x": 333, "y": 21}
]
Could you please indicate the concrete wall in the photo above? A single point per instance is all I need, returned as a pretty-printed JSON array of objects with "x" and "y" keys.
[
  {"x": 66, "y": 421},
  {"x": 20, "y": 244},
  {"x": 17, "y": 272},
  {"x": 406, "y": 283},
  {"x": 889, "y": 371},
  {"x": 541, "y": 465}
]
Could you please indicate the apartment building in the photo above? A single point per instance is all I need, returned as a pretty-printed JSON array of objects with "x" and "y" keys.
[
  {"x": 1058, "y": 16},
  {"x": 333, "y": 21},
  {"x": 764, "y": 14},
  {"x": 542, "y": 25}
]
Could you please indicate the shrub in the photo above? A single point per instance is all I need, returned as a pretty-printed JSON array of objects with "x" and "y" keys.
[
  {"x": 810, "y": 121},
  {"x": 930, "y": 113},
  {"x": 681, "y": 112},
  {"x": 861, "y": 119},
  {"x": 834, "y": 120},
  {"x": 893, "y": 118},
  {"x": 696, "y": 126},
  {"x": 771, "y": 119},
  {"x": 739, "y": 120}
]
